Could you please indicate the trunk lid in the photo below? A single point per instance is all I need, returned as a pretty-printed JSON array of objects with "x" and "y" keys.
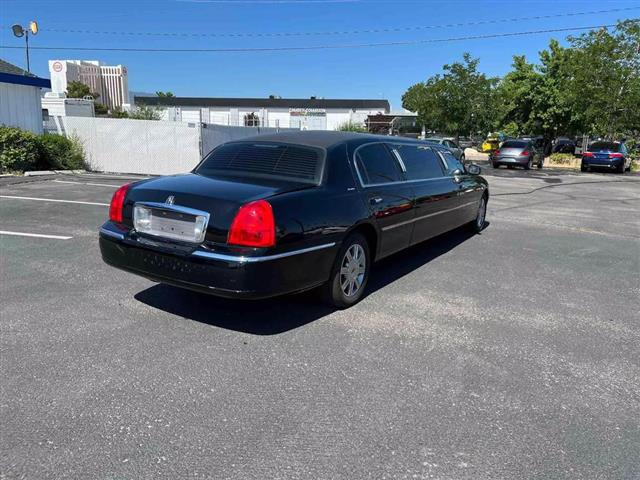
[
  {"x": 221, "y": 197},
  {"x": 511, "y": 152}
]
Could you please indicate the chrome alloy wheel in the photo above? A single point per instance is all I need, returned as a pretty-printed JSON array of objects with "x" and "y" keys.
[
  {"x": 482, "y": 212},
  {"x": 352, "y": 270}
]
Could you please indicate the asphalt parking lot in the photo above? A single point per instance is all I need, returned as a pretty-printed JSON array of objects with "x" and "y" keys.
[{"x": 510, "y": 354}]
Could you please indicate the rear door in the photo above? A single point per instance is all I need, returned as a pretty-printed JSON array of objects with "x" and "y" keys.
[
  {"x": 435, "y": 192},
  {"x": 468, "y": 192},
  {"x": 389, "y": 198}
]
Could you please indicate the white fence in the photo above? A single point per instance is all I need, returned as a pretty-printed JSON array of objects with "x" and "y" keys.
[
  {"x": 214, "y": 135},
  {"x": 147, "y": 147}
]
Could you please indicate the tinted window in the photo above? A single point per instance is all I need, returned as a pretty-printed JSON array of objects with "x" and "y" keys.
[
  {"x": 376, "y": 165},
  {"x": 604, "y": 146},
  {"x": 421, "y": 162},
  {"x": 452, "y": 162},
  {"x": 264, "y": 160},
  {"x": 514, "y": 144}
]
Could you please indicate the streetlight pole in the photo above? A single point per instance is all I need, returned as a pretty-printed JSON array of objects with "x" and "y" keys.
[
  {"x": 20, "y": 31},
  {"x": 26, "y": 40}
]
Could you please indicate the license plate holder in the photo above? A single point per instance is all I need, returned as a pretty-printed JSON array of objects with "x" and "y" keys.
[{"x": 170, "y": 222}]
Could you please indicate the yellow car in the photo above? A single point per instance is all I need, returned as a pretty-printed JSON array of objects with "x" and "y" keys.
[{"x": 490, "y": 144}]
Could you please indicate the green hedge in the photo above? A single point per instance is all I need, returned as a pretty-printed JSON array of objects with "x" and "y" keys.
[
  {"x": 61, "y": 153},
  {"x": 562, "y": 158},
  {"x": 21, "y": 151}
]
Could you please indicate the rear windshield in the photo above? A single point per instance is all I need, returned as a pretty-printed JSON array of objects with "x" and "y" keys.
[
  {"x": 514, "y": 144},
  {"x": 604, "y": 146},
  {"x": 265, "y": 160}
]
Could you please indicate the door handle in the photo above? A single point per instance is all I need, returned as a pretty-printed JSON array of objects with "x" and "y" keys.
[{"x": 375, "y": 200}]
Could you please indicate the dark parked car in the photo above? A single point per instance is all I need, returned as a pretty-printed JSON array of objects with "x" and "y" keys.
[
  {"x": 466, "y": 142},
  {"x": 521, "y": 153},
  {"x": 542, "y": 145},
  {"x": 449, "y": 143},
  {"x": 564, "y": 145},
  {"x": 288, "y": 212},
  {"x": 606, "y": 155}
]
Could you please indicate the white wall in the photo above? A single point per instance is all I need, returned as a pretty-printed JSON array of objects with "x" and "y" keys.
[
  {"x": 271, "y": 117},
  {"x": 136, "y": 146},
  {"x": 68, "y": 107},
  {"x": 20, "y": 107}
]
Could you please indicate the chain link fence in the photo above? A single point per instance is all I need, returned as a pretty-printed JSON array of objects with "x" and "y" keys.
[{"x": 148, "y": 147}]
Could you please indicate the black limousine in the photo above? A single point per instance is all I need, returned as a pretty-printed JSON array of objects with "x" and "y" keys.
[{"x": 283, "y": 213}]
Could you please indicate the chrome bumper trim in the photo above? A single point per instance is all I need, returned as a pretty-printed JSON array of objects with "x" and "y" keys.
[
  {"x": 111, "y": 233},
  {"x": 266, "y": 258}
]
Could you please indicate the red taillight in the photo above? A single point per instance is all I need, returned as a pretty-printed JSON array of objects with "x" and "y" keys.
[
  {"x": 254, "y": 226},
  {"x": 497, "y": 152},
  {"x": 117, "y": 202},
  {"x": 587, "y": 154},
  {"x": 525, "y": 153},
  {"x": 615, "y": 155}
]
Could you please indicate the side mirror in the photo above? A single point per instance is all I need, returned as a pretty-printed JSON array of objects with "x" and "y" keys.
[{"x": 473, "y": 169}]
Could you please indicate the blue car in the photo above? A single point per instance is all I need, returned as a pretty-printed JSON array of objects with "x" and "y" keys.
[{"x": 606, "y": 155}]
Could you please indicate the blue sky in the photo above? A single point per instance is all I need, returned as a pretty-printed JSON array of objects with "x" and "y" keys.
[{"x": 377, "y": 72}]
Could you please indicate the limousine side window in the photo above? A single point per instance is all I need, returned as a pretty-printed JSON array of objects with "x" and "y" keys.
[
  {"x": 420, "y": 162},
  {"x": 452, "y": 163},
  {"x": 376, "y": 165}
]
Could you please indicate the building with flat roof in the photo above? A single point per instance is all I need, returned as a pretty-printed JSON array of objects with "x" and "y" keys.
[
  {"x": 110, "y": 82},
  {"x": 302, "y": 113},
  {"x": 20, "y": 98}
]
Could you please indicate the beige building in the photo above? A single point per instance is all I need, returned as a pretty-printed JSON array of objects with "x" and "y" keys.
[{"x": 108, "y": 81}]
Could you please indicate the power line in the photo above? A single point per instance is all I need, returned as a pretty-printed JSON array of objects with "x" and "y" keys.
[
  {"x": 318, "y": 47},
  {"x": 337, "y": 32}
]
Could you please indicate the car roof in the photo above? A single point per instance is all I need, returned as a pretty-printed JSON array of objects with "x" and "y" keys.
[{"x": 324, "y": 138}]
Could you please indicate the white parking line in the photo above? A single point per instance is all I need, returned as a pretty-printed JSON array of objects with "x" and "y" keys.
[
  {"x": 37, "y": 235},
  {"x": 54, "y": 200},
  {"x": 87, "y": 183}
]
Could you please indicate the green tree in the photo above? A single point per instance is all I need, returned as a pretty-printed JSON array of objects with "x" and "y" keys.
[
  {"x": 517, "y": 97},
  {"x": 165, "y": 94},
  {"x": 79, "y": 90},
  {"x": 460, "y": 101},
  {"x": 605, "y": 84}
]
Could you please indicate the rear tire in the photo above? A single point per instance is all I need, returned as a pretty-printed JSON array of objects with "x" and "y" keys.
[
  {"x": 583, "y": 168},
  {"x": 621, "y": 169},
  {"x": 495, "y": 165},
  {"x": 529, "y": 164},
  {"x": 478, "y": 224},
  {"x": 350, "y": 273}
]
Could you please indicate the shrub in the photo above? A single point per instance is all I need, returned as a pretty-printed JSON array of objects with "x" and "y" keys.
[
  {"x": 562, "y": 158},
  {"x": 145, "y": 113},
  {"x": 352, "y": 127},
  {"x": 18, "y": 149},
  {"x": 61, "y": 153}
]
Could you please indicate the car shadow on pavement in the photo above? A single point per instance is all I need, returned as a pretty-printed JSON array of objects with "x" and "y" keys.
[{"x": 281, "y": 314}]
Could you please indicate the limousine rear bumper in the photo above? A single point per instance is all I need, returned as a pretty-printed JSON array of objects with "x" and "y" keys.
[{"x": 231, "y": 276}]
